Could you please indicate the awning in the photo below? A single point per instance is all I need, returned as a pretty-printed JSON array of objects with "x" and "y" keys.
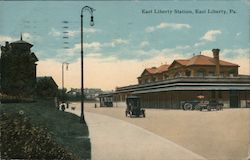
[{"x": 196, "y": 88}]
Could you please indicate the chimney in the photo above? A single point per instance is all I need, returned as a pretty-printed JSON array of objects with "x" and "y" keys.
[
  {"x": 6, "y": 43},
  {"x": 216, "y": 55}
]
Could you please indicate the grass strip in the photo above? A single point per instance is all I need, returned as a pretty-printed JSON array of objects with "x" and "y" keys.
[{"x": 65, "y": 128}]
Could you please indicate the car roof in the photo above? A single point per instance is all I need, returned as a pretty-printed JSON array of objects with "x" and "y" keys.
[{"x": 130, "y": 97}]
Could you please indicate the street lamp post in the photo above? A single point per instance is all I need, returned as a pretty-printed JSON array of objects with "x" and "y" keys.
[
  {"x": 91, "y": 10},
  {"x": 67, "y": 64}
]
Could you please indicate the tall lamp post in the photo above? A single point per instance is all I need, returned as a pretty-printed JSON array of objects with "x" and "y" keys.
[
  {"x": 67, "y": 64},
  {"x": 90, "y": 10}
]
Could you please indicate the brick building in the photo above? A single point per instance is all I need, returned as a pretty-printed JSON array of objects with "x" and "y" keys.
[
  {"x": 197, "y": 66},
  {"x": 166, "y": 86},
  {"x": 18, "y": 68}
]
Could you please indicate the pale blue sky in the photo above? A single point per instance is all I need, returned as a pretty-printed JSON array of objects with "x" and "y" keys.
[
  {"x": 124, "y": 21},
  {"x": 123, "y": 32}
]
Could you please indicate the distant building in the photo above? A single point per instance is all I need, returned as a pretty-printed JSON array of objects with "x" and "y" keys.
[
  {"x": 106, "y": 99},
  {"x": 18, "y": 68},
  {"x": 46, "y": 87},
  {"x": 168, "y": 85},
  {"x": 90, "y": 93}
]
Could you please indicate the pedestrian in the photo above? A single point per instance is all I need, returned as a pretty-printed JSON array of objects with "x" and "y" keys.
[{"x": 63, "y": 106}]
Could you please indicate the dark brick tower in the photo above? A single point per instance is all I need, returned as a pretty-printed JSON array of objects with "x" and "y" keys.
[{"x": 18, "y": 69}]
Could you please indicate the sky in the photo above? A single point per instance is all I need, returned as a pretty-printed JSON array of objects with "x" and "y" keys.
[{"x": 127, "y": 37}]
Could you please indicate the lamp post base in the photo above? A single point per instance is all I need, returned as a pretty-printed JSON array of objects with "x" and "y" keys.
[{"x": 82, "y": 120}]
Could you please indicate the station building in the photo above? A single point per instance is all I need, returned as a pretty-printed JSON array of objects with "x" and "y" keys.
[{"x": 167, "y": 86}]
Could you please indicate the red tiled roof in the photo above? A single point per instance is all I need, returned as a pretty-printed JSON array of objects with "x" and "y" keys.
[
  {"x": 160, "y": 69},
  {"x": 195, "y": 60},
  {"x": 182, "y": 61},
  {"x": 152, "y": 70},
  {"x": 163, "y": 68},
  {"x": 203, "y": 60}
]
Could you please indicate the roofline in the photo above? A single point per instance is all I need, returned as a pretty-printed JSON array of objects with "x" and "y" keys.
[
  {"x": 194, "y": 88},
  {"x": 233, "y": 65},
  {"x": 24, "y": 42},
  {"x": 189, "y": 80},
  {"x": 176, "y": 62}
]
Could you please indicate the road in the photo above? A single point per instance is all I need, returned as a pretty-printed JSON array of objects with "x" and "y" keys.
[
  {"x": 114, "y": 139},
  {"x": 214, "y": 135}
]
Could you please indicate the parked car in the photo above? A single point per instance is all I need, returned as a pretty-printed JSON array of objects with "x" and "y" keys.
[
  {"x": 133, "y": 107},
  {"x": 202, "y": 104}
]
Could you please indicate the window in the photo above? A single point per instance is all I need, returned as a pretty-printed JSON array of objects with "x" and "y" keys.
[
  {"x": 178, "y": 74},
  {"x": 232, "y": 73},
  {"x": 165, "y": 76},
  {"x": 211, "y": 73},
  {"x": 200, "y": 73},
  {"x": 220, "y": 94},
  {"x": 154, "y": 79},
  {"x": 213, "y": 94},
  {"x": 221, "y": 74},
  {"x": 188, "y": 73}
]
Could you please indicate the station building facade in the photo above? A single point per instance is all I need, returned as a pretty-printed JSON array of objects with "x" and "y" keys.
[{"x": 167, "y": 86}]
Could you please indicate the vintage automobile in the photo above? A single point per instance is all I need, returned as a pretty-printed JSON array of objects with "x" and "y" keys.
[
  {"x": 202, "y": 104},
  {"x": 133, "y": 107}
]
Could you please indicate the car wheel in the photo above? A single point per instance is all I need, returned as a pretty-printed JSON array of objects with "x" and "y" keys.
[
  {"x": 208, "y": 108},
  {"x": 188, "y": 106},
  {"x": 218, "y": 108},
  {"x": 221, "y": 107},
  {"x": 197, "y": 107},
  {"x": 130, "y": 114}
]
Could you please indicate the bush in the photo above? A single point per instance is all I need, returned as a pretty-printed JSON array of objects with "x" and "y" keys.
[{"x": 20, "y": 139}]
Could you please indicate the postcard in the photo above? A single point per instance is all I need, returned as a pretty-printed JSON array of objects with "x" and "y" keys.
[{"x": 125, "y": 80}]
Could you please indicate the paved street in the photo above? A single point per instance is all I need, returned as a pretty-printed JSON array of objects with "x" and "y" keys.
[
  {"x": 222, "y": 135},
  {"x": 114, "y": 139}
]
